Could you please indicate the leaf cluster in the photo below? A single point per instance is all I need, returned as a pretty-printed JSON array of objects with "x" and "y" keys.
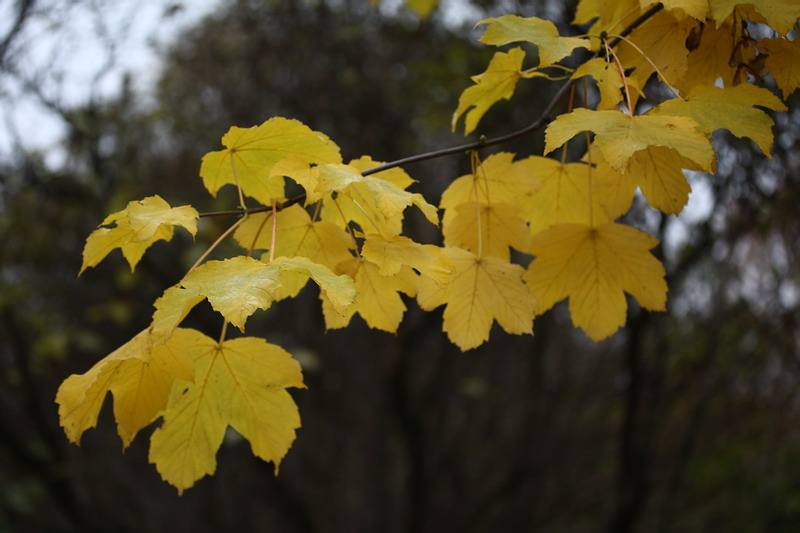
[{"x": 519, "y": 234}]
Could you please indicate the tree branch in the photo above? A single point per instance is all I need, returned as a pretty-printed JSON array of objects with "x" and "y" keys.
[{"x": 543, "y": 119}]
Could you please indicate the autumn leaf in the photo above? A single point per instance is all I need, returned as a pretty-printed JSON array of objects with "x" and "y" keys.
[
  {"x": 138, "y": 374},
  {"x": 374, "y": 203},
  {"x": 498, "y": 179},
  {"x": 729, "y": 108},
  {"x": 488, "y": 229},
  {"x": 251, "y": 153},
  {"x": 391, "y": 254},
  {"x": 619, "y": 136},
  {"x": 659, "y": 173},
  {"x": 566, "y": 192},
  {"x": 609, "y": 81},
  {"x": 497, "y": 83},
  {"x": 296, "y": 235},
  {"x": 718, "y": 53},
  {"x": 780, "y": 14},
  {"x": 481, "y": 291},
  {"x": 239, "y": 286},
  {"x": 378, "y": 300},
  {"x": 542, "y": 33},
  {"x": 136, "y": 227},
  {"x": 661, "y": 42},
  {"x": 594, "y": 267},
  {"x": 783, "y": 62},
  {"x": 239, "y": 383}
]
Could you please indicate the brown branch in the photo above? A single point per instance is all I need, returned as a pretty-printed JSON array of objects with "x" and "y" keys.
[{"x": 543, "y": 119}]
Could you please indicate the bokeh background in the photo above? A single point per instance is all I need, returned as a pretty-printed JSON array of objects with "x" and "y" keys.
[{"x": 685, "y": 421}]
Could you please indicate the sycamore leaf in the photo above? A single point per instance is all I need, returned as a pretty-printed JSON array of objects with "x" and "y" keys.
[
  {"x": 239, "y": 383},
  {"x": 730, "y": 108},
  {"x": 136, "y": 227},
  {"x": 251, "y": 153},
  {"x": 391, "y": 254},
  {"x": 619, "y": 136},
  {"x": 171, "y": 308},
  {"x": 499, "y": 179},
  {"x": 497, "y": 83},
  {"x": 716, "y": 54},
  {"x": 338, "y": 290},
  {"x": 662, "y": 39},
  {"x": 609, "y": 81},
  {"x": 488, "y": 229},
  {"x": 378, "y": 301},
  {"x": 542, "y": 33},
  {"x": 237, "y": 287},
  {"x": 301, "y": 172},
  {"x": 481, "y": 290},
  {"x": 138, "y": 374},
  {"x": 609, "y": 15},
  {"x": 694, "y": 8},
  {"x": 296, "y": 234},
  {"x": 780, "y": 14},
  {"x": 783, "y": 61},
  {"x": 374, "y": 203},
  {"x": 659, "y": 173},
  {"x": 594, "y": 267},
  {"x": 565, "y": 195}
]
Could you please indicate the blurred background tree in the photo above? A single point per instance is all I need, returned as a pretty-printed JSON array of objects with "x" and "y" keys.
[{"x": 684, "y": 421}]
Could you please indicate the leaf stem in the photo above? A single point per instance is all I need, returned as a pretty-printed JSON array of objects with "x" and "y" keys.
[
  {"x": 216, "y": 243},
  {"x": 274, "y": 231},
  {"x": 621, "y": 70}
]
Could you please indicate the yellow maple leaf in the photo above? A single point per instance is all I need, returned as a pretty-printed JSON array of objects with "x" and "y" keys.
[
  {"x": 594, "y": 267},
  {"x": 498, "y": 179},
  {"x": 374, "y": 203},
  {"x": 541, "y": 32},
  {"x": 137, "y": 227},
  {"x": 783, "y": 61},
  {"x": 659, "y": 173},
  {"x": 488, "y": 229},
  {"x": 573, "y": 192},
  {"x": 480, "y": 291},
  {"x": 239, "y": 383},
  {"x": 609, "y": 81},
  {"x": 619, "y": 136},
  {"x": 661, "y": 42},
  {"x": 730, "y": 108},
  {"x": 716, "y": 52},
  {"x": 391, "y": 254},
  {"x": 138, "y": 374},
  {"x": 239, "y": 286},
  {"x": 497, "y": 83},
  {"x": 780, "y": 14},
  {"x": 378, "y": 300},
  {"x": 606, "y": 15},
  {"x": 251, "y": 153},
  {"x": 296, "y": 235},
  {"x": 697, "y": 9}
]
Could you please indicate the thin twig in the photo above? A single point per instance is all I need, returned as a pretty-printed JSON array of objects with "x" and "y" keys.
[{"x": 543, "y": 119}]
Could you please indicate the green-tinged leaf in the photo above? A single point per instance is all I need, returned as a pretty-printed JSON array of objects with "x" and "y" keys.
[
  {"x": 619, "y": 136},
  {"x": 339, "y": 290},
  {"x": 239, "y": 383},
  {"x": 251, "y": 153},
  {"x": 729, "y": 108}
]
